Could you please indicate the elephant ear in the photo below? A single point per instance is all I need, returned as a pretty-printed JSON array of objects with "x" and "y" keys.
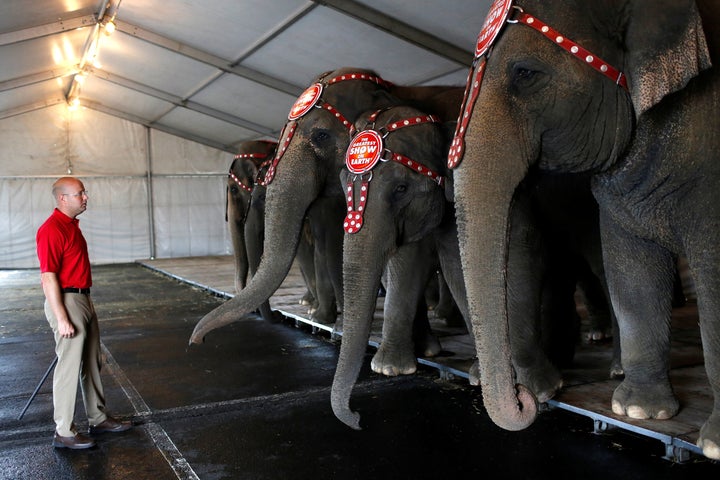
[{"x": 666, "y": 48}]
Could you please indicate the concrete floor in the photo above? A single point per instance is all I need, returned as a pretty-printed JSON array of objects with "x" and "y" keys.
[{"x": 253, "y": 403}]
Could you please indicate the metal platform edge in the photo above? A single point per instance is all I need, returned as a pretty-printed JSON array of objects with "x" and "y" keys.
[{"x": 676, "y": 449}]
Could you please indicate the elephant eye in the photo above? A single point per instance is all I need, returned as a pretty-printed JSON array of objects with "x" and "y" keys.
[
  {"x": 525, "y": 76},
  {"x": 524, "y": 73},
  {"x": 234, "y": 189},
  {"x": 320, "y": 137},
  {"x": 400, "y": 189}
]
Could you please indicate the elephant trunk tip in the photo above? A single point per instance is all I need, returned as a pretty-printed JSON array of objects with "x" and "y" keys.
[
  {"x": 519, "y": 416},
  {"x": 341, "y": 408},
  {"x": 348, "y": 417},
  {"x": 198, "y": 335}
]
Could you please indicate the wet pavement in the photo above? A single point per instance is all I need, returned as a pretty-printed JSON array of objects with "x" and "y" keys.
[{"x": 253, "y": 403}]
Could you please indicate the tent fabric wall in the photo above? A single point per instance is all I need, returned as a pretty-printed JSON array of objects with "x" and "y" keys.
[{"x": 151, "y": 193}]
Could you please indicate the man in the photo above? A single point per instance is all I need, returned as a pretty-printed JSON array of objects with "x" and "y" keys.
[{"x": 66, "y": 280}]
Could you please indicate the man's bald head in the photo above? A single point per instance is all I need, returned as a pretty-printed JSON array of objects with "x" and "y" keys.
[{"x": 70, "y": 196}]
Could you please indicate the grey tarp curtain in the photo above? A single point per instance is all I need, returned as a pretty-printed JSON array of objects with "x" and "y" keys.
[{"x": 150, "y": 192}]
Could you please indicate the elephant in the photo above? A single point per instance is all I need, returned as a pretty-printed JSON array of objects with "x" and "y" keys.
[
  {"x": 374, "y": 240},
  {"x": 405, "y": 206},
  {"x": 240, "y": 184},
  {"x": 305, "y": 183},
  {"x": 247, "y": 195},
  {"x": 628, "y": 92}
]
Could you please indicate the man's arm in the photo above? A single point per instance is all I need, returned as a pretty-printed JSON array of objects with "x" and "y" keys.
[{"x": 51, "y": 288}]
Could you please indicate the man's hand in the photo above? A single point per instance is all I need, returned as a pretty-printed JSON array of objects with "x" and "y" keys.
[
  {"x": 51, "y": 288},
  {"x": 66, "y": 328}
]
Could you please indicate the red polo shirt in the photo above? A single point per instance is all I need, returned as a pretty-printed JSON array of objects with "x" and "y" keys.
[{"x": 62, "y": 249}]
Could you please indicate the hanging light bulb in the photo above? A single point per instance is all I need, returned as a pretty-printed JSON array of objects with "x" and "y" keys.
[
  {"x": 73, "y": 103},
  {"x": 109, "y": 27}
]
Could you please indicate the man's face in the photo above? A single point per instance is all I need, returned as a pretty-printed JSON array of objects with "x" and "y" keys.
[{"x": 74, "y": 199}]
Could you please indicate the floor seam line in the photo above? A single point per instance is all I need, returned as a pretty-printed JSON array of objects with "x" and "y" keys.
[{"x": 162, "y": 441}]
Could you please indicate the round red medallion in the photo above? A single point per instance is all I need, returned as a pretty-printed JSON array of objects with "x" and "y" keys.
[
  {"x": 364, "y": 152},
  {"x": 305, "y": 102},
  {"x": 492, "y": 26}
]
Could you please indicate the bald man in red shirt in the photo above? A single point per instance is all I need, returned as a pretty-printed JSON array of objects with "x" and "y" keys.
[{"x": 66, "y": 281}]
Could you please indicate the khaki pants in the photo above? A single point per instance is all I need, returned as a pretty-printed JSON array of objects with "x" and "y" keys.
[{"x": 78, "y": 360}]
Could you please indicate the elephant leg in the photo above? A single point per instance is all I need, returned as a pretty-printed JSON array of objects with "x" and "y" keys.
[
  {"x": 406, "y": 275},
  {"x": 432, "y": 292},
  {"x": 326, "y": 226},
  {"x": 603, "y": 321},
  {"x": 559, "y": 320},
  {"x": 640, "y": 276},
  {"x": 268, "y": 314},
  {"x": 705, "y": 267},
  {"x": 593, "y": 294},
  {"x": 446, "y": 307},
  {"x": 306, "y": 261},
  {"x": 426, "y": 344},
  {"x": 525, "y": 277},
  {"x": 326, "y": 311}
]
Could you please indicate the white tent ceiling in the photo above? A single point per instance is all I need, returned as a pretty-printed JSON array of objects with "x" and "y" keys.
[{"x": 220, "y": 72}]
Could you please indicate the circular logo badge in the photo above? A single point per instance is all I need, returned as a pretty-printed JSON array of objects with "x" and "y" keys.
[
  {"x": 364, "y": 151},
  {"x": 306, "y": 101},
  {"x": 492, "y": 26}
]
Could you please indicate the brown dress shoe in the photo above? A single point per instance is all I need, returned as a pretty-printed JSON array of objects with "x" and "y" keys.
[
  {"x": 110, "y": 425},
  {"x": 76, "y": 442}
]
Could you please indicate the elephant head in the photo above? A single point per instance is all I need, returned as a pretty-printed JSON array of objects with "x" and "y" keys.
[
  {"x": 556, "y": 86},
  {"x": 305, "y": 169},
  {"x": 394, "y": 179},
  {"x": 240, "y": 184}
]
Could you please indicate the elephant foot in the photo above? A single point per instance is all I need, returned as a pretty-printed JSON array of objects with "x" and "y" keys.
[
  {"x": 643, "y": 401},
  {"x": 442, "y": 310},
  {"x": 395, "y": 361},
  {"x": 270, "y": 315},
  {"x": 709, "y": 439},
  {"x": 616, "y": 370},
  {"x": 543, "y": 380},
  {"x": 428, "y": 346},
  {"x": 597, "y": 335},
  {"x": 308, "y": 299},
  {"x": 451, "y": 314},
  {"x": 324, "y": 316}
]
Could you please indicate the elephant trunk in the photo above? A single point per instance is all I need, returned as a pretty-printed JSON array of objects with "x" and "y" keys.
[
  {"x": 484, "y": 187},
  {"x": 237, "y": 234},
  {"x": 361, "y": 280},
  {"x": 287, "y": 199}
]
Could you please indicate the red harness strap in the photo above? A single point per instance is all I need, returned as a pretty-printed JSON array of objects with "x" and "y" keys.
[
  {"x": 247, "y": 188},
  {"x": 570, "y": 46}
]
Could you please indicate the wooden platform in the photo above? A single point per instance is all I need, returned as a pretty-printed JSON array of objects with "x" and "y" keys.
[{"x": 587, "y": 390}]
